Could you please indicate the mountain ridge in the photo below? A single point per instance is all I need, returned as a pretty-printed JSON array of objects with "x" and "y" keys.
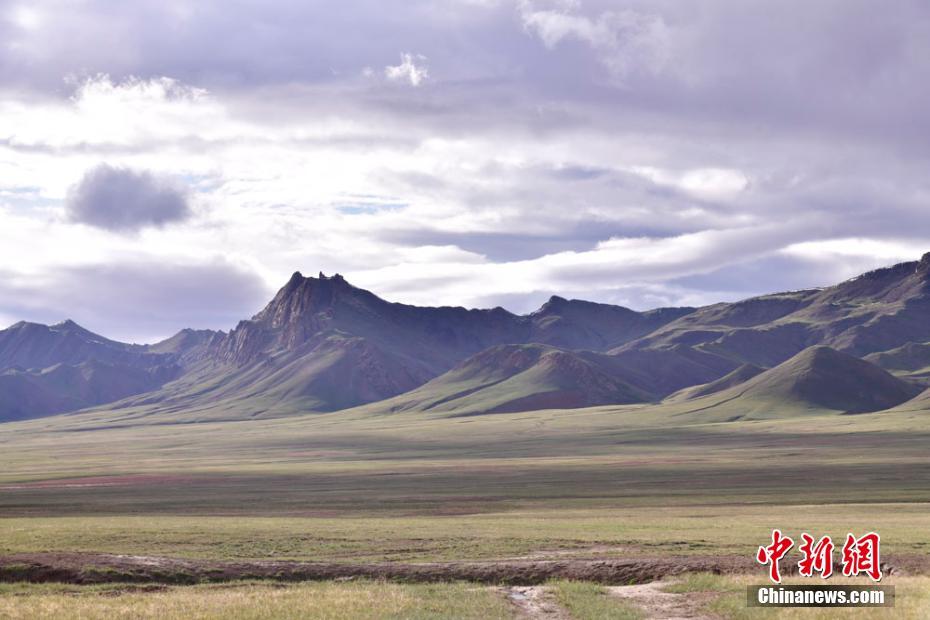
[{"x": 322, "y": 344}]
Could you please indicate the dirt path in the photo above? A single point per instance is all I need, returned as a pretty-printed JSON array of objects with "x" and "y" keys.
[
  {"x": 534, "y": 603},
  {"x": 659, "y": 605}
]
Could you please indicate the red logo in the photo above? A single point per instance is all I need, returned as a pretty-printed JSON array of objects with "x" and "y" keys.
[
  {"x": 860, "y": 555},
  {"x": 817, "y": 557},
  {"x": 773, "y": 553}
]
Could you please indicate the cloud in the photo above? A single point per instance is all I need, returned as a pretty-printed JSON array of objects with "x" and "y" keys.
[
  {"x": 125, "y": 200},
  {"x": 624, "y": 40},
  {"x": 618, "y": 150},
  {"x": 138, "y": 300},
  {"x": 407, "y": 70}
]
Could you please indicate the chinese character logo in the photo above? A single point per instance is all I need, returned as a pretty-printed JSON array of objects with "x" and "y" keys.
[
  {"x": 860, "y": 555},
  {"x": 773, "y": 553},
  {"x": 817, "y": 557}
]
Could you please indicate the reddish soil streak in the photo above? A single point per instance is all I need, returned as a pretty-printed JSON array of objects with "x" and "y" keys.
[
  {"x": 101, "y": 481},
  {"x": 99, "y": 568}
]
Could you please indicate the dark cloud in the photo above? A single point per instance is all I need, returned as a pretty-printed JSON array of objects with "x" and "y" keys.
[
  {"x": 125, "y": 200},
  {"x": 137, "y": 301}
]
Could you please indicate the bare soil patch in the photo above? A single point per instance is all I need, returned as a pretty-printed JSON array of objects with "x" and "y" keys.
[
  {"x": 80, "y": 568},
  {"x": 656, "y": 604},
  {"x": 534, "y": 602}
]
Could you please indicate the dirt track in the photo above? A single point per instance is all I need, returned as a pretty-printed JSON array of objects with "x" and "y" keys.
[{"x": 98, "y": 568}]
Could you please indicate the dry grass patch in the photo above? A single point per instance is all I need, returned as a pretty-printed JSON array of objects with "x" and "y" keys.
[{"x": 249, "y": 601}]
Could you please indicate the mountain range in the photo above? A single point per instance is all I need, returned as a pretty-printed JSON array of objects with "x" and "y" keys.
[{"x": 323, "y": 345}]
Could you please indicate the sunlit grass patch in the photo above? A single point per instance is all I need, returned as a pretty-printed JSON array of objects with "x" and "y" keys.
[
  {"x": 590, "y": 601},
  {"x": 700, "y": 582}
]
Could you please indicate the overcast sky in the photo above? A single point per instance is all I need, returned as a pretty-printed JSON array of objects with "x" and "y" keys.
[{"x": 166, "y": 164}]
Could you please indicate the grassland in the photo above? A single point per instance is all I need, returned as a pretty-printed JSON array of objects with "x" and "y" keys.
[
  {"x": 405, "y": 487},
  {"x": 588, "y": 600},
  {"x": 255, "y": 601},
  {"x": 611, "y": 482},
  {"x": 698, "y": 595},
  {"x": 552, "y": 532}
]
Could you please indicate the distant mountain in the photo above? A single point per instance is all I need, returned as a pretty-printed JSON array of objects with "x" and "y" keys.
[
  {"x": 187, "y": 346},
  {"x": 508, "y": 378},
  {"x": 308, "y": 309},
  {"x": 664, "y": 370},
  {"x": 48, "y": 369},
  {"x": 34, "y": 346},
  {"x": 911, "y": 360},
  {"x": 739, "y": 376},
  {"x": 815, "y": 380},
  {"x": 322, "y": 344},
  {"x": 877, "y": 311},
  {"x": 594, "y": 327},
  {"x": 63, "y": 387}
]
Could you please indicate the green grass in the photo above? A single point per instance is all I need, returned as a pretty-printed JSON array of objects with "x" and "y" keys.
[
  {"x": 588, "y": 532},
  {"x": 589, "y": 601},
  {"x": 701, "y": 582},
  {"x": 251, "y": 601},
  {"x": 605, "y": 481},
  {"x": 404, "y": 465}
]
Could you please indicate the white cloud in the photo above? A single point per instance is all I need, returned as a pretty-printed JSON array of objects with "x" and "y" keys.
[
  {"x": 702, "y": 182},
  {"x": 858, "y": 248},
  {"x": 625, "y": 40},
  {"x": 26, "y": 17},
  {"x": 523, "y": 171},
  {"x": 408, "y": 70}
]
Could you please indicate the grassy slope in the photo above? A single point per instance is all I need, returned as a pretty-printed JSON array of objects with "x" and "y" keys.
[
  {"x": 740, "y": 375},
  {"x": 513, "y": 378},
  {"x": 815, "y": 381}
]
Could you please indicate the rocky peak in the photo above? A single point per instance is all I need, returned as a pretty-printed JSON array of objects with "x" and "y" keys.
[
  {"x": 554, "y": 304},
  {"x": 923, "y": 267},
  {"x": 303, "y": 296},
  {"x": 303, "y": 308}
]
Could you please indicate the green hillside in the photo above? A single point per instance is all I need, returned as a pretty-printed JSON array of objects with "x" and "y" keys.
[{"x": 512, "y": 378}]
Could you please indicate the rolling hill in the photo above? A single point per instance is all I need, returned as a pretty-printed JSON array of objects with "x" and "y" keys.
[
  {"x": 911, "y": 360},
  {"x": 817, "y": 380},
  {"x": 737, "y": 377},
  {"x": 509, "y": 378}
]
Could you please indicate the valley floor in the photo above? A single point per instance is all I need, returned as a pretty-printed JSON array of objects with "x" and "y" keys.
[{"x": 599, "y": 487}]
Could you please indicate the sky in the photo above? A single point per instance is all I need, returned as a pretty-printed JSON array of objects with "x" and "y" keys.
[{"x": 169, "y": 164}]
